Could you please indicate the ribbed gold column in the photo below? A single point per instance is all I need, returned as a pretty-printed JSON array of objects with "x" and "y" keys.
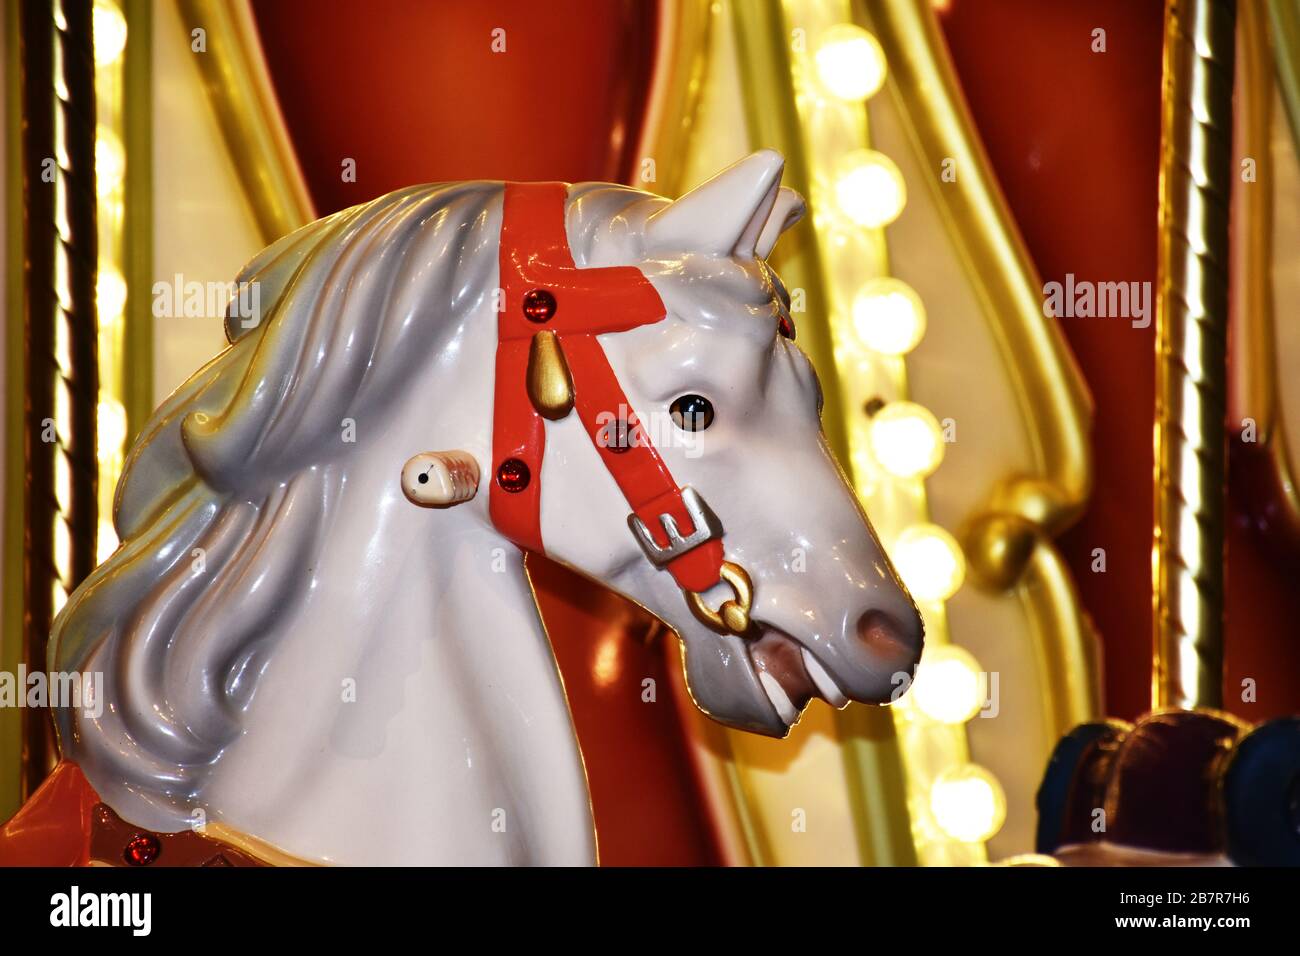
[
  {"x": 1191, "y": 337},
  {"x": 137, "y": 120},
  {"x": 13, "y": 586},
  {"x": 62, "y": 383}
]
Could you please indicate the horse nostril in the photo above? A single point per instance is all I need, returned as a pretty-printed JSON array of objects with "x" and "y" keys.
[{"x": 894, "y": 644}]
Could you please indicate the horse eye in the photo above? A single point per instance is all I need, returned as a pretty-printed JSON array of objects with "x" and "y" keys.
[
  {"x": 691, "y": 413},
  {"x": 785, "y": 326}
]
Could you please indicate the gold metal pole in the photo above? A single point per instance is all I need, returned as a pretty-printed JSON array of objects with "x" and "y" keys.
[
  {"x": 137, "y": 118},
  {"x": 1191, "y": 344},
  {"x": 61, "y": 249},
  {"x": 12, "y": 581}
]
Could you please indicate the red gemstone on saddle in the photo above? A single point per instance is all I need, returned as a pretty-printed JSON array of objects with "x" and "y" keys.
[
  {"x": 142, "y": 849},
  {"x": 539, "y": 305},
  {"x": 513, "y": 475}
]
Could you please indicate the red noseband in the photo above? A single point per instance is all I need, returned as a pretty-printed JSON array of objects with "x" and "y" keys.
[{"x": 546, "y": 292}]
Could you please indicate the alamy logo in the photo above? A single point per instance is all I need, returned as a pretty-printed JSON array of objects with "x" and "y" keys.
[
  {"x": 74, "y": 908},
  {"x": 626, "y": 429},
  {"x": 69, "y": 689},
  {"x": 1102, "y": 300},
  {"x": 198, "y": 300}
]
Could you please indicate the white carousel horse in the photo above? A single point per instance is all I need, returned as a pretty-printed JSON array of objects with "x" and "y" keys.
[{"x": 292, "y": 644}]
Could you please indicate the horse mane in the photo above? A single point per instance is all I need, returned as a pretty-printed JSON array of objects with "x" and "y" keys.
[{"x": 225, "y": 499}]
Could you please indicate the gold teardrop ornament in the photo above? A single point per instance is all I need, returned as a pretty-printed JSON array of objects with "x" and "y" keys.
[{"x": 550, "y": 386}]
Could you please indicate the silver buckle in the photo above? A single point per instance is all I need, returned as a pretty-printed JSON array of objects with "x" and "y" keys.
[{"x": 707, "y": 527}]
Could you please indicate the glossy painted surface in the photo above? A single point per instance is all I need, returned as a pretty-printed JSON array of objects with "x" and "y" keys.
[
  {"x": 289, "y": 644},
  {"x": 557, "y": 342},
  {"x": 1091, "y": 170},
  {"x": 330, "y": 651},
  {"x": 569, "y": 82},
  {"x": 819, "y": 575}
]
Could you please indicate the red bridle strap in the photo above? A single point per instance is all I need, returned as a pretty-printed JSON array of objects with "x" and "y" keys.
[{"x": 535, "y": 257}]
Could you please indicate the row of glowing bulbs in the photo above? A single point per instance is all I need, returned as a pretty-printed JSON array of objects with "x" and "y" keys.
[
  {"x": 888, "y": 316},
  {"x": 109, "y": 28},
  {"x": 906, "y": 440},
  {"x": 110, "y": 34}
]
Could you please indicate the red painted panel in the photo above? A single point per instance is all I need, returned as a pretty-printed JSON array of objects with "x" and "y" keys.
[{"x": 414, "y": 92}]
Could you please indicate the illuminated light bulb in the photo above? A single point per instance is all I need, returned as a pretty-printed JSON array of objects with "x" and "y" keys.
[
  {"x": 850, "y": 62},
  {"x": 947, "y": 687},
  {"x": 888, "y": 316},
  {"x": 968, "y": 803},
  {"x": 110, "y": 428},
  {"x": 109, "y": 31},
  {"x": 906, "y": 440},
  {"x": 110, "y": 161},
  {"x": 105, "y": 541},
  {"x": 929, "y": 561},
  {"x": 869, "y": 189},
  {"x": 110, "y": 294}
]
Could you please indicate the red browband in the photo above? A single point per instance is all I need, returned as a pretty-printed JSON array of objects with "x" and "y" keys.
[{"x": 545, "y": 291}]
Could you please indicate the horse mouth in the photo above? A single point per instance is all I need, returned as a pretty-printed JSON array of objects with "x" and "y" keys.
[{"x": 790, "y": 675}]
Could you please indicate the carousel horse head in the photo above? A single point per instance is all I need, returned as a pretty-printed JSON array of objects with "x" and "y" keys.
[
  {"x": 730, "y": 405},
  {"x": 438, "y": 381}
]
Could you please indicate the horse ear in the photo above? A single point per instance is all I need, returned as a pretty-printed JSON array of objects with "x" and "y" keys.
[
  {"x": 725, "y": 215},
  {"x": 787, "y": 211}
]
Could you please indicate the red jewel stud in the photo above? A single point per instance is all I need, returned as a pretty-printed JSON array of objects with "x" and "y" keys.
[
  {"x": 513, "y": 475},
  {"x": 618, "y": 437},
  {"x": 539, "y": 305},
  {"x": 142, "y": 849}
]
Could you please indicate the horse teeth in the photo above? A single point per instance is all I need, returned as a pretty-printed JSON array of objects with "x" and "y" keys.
[
  {"x": 780, "y": 700},
  {"x": 825, "y": 686}
]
